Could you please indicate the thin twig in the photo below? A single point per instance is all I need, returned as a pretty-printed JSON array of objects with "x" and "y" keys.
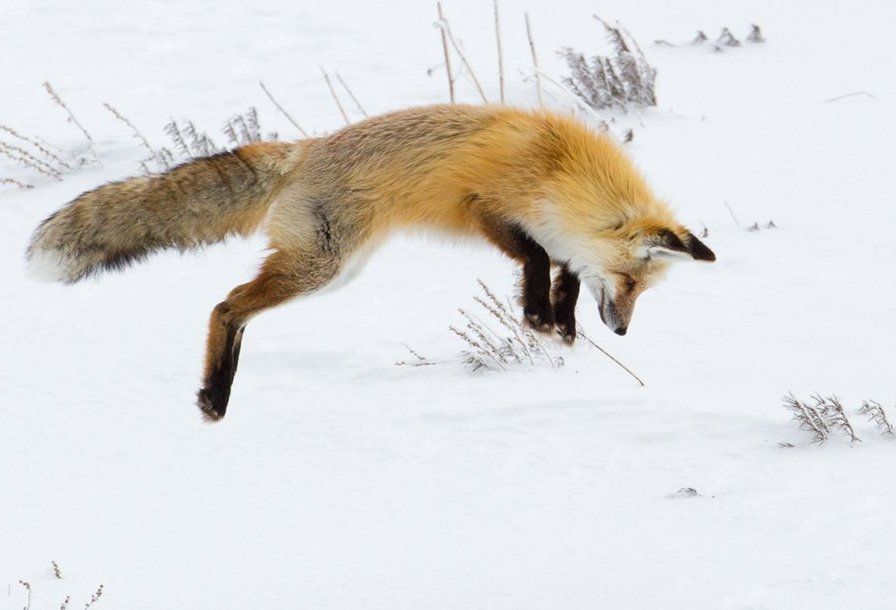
[
  {"x": 447, "y": 57},
  {"x": 575, "y": 98},
  {"x": 36, "y": 145},
  {"x": 500, "y": 53},
  {"x": 534, "y": 62},
  {"x": 351, "y": 95},
  {"x": 582, "y": 334},
  {"x": 840, "y": 97},
  {"x": 23, "y": 156},
  {"x": 730, "y": 211},
  {"x": 335, "y": 97},
  {"x": 137, "y": 133},
  {"x": 446, "y": 28},
  {"x": 282, "y": 111},
  {"x": 72, "y": 118},
  {"x": 15, "y": 182}
]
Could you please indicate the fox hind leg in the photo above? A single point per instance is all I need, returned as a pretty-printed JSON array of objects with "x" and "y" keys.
[{"x": 283, "y": 275}]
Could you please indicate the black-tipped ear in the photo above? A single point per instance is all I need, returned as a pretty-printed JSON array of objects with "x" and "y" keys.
[
  {"x": 669, "y": 240},
  {"x": 698, "y": 249},
  {"x": 667, "y": 244}
]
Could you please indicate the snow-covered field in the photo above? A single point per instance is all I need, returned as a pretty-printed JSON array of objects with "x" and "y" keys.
[{"x": 339, "y": 480}]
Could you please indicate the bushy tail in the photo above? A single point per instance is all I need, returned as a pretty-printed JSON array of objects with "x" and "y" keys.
[{"x": 197, "y": 203}]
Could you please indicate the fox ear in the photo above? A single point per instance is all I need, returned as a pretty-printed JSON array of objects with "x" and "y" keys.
[
  {"x": 668, "y": 245},
  {"x": 699, "y": 250}
]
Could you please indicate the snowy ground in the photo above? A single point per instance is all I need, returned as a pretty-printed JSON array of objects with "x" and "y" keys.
[{"x": 339, "y": 480}]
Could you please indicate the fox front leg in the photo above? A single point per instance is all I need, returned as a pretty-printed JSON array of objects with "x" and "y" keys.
[
  {"x": 566, "y": 293},
  {"x": 511, "y": 239}
]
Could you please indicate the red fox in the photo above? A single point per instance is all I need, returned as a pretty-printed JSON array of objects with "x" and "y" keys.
[{"x": 542, "y": 187}]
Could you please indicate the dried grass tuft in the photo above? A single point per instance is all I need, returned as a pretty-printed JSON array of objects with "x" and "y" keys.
[
  {"x": 620, "y": 80},
  {"x": 878, "y": 417}
]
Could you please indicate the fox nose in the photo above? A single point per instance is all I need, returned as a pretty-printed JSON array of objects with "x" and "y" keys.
[{"x": 621, "y": 330}]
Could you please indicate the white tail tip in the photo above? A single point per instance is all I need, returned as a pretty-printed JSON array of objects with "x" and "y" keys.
[{"x": 47, "y": 266}]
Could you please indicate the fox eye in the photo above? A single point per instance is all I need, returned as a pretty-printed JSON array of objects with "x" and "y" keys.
[{"x": 628, "y": 281}]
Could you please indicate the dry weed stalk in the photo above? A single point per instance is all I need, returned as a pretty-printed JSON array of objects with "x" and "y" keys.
[
  {"x": 94, "y": 598},
  {"x": 72, "y": 119},
  {"x": 351, "y": 95},
  {"x": 500, "y": 53},
  {"x": 282, "y": 111},
  {"x": 137, "y": 133},
  {"x": 726, "y": 38},
  {"x": 834, "y": 415},
  {"x": 534, "y": 61},
  {"x": 581, "y": 333},
  {"x": 878, "y": 417},
  {"x": 177, "y": 137},
  {"x": 446, "y": 29},
  {"x": 419, "y": 360},
  {"x": 43, "y": 150},
  {"x": 200, "y": 143},
  {"x": 807, "y": 418},
  {"x": 447, "y": 55},
  {"x": 15, "y": 182},
  {"x": 755, "y": 34},
  {"x": 335, "y": 96},
  {"x": 27, "y": 586},
  {"x": 491, "y": 350},
  {"x": 22, "y": 156}
]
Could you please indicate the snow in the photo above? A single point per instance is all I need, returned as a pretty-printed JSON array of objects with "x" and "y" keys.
[{"x": 339, "y": 480}]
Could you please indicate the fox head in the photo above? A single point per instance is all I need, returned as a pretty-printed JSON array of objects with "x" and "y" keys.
[
  {"x": 630, "y": 260},
  {"x": 597, "y": 215}
]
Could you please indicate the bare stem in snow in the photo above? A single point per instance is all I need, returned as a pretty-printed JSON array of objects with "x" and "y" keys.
[
  {"x": 282, "y": 111},
  {"x": 335, "y": 97},
  {"x": 419, "y": 360},
  {"x": 534, "y": 61},
  {"x": 137, "y": 133},
  {"x": 447, "y": 55},
  {"x": 730, "y": 211},
  {"x": 71, "y": 117},
  {"x": 15, "y": 182},
  {"x": 854, "y": 93},
  {"x": 351, "y": 95},
  {"x": 573, "y": 97},
  {"x": 28, "y": 589},
  {"x": 36, "y": 145},
  {"x": 500, "y": 53},
  {"x": 446, "y": 28},
  {"x": 94, "y": 598},
  {"x": 25, "y": 158},
  {"x": 582, "y": 334}
]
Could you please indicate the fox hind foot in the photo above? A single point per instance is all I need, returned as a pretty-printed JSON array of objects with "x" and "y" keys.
[
  {"x": 282, "y": 277},
  {"x": 214, "y": 395}
]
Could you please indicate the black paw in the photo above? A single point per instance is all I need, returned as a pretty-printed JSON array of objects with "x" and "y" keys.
[
  {"x": 566, "y": 322},
  {"x": 567, "y": 333},
  {"x": 541, "y": 321},
  {"x": 212, "y": 404}
]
